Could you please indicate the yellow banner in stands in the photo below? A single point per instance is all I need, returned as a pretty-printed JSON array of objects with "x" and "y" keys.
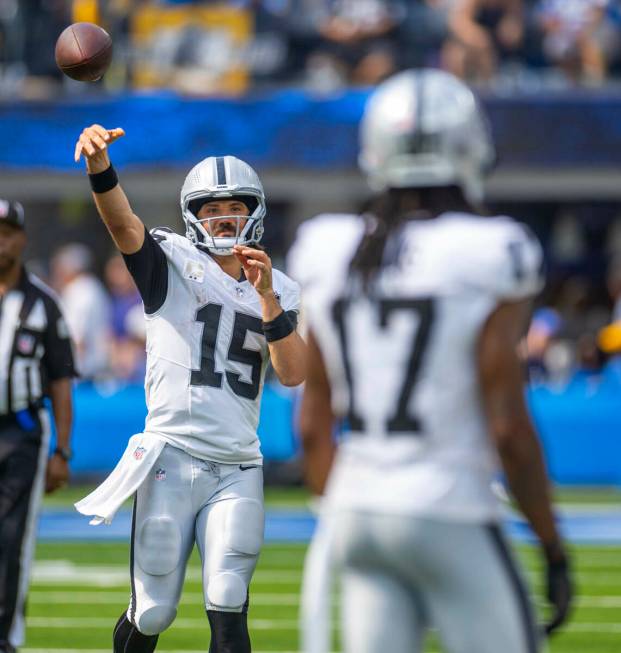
[
  {"x": 85, "y": 11},
  {"x": 196, "y": 50}
]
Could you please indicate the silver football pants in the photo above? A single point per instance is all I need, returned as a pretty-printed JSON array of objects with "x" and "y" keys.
[
  {"x": 402, "y": 575},
  {"x": 185, "y": 500}
]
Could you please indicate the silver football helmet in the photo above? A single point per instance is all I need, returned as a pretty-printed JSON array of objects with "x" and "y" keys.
[
  {"x": 222, "y": 177},
  {"x": 425, "y": 128}
]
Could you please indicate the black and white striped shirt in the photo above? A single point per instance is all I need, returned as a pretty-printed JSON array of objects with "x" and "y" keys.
[{"x": 35, "y": 348}]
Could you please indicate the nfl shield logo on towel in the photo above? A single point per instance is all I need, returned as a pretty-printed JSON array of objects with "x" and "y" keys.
[{"x": 139, "y": 453}]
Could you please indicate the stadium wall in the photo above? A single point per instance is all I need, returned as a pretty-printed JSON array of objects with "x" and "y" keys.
[
  {"x": 294, "y": 129},
  {"x": 579, "y": 428}
]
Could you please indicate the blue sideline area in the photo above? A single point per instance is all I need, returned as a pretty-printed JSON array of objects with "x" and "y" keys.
[
  {"x": 107, "y": 416},
  {"x": 580, "y": 426},
  {"x": 292, "y": 129},
  {"x": 579, "y": 526}
]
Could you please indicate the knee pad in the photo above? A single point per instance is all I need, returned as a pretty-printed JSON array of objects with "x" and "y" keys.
[
  {"x": 227, "y": 591},
  {"x": 156, "y": 619},
  {"x": 244, "y": 526},
  {"x": 158, "y": 546}
]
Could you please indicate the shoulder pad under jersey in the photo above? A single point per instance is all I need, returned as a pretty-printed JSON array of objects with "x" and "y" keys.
[{"x": 501, "y": 255}]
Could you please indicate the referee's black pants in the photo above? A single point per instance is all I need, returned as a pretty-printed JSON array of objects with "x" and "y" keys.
[{"x": 22, "y": 469}]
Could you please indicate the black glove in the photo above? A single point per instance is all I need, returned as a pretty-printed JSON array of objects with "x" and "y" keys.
[{"x": 560, "y": 589}]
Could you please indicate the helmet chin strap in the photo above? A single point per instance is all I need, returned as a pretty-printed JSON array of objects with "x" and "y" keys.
[
  {"x": 224, "y": 247},
  {"x": 210, "y": 249},
  {"x": 214, "y": 249},
  {"x": 220, "y": 251}
]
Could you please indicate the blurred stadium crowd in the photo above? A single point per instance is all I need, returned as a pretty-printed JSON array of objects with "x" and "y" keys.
[
  {"x": 206, "y": 47},
  {"x": 103, "y": 312}
]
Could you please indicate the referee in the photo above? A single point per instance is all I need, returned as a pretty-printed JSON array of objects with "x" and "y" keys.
[{"x": 35, "y": 361}]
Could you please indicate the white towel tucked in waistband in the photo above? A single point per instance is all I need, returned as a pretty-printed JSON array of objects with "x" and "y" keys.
[{"x": 140, "y": 455}]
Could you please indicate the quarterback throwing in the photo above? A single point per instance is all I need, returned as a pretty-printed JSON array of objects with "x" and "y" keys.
[{"x": 216, "y": 313}]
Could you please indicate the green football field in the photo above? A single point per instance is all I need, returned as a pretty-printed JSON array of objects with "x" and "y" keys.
[{"x": 79, "y": 590}]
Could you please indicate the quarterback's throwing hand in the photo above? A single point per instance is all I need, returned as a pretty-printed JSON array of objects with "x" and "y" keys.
[
  {"x": 93, "y": 144},
  {"x": 257, "y": 267}
]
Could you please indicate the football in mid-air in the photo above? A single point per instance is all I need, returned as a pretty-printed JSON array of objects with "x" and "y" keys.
[{"x": 84, "y": 51}]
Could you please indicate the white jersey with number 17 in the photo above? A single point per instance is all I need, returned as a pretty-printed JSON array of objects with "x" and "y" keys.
[{"x": 401, "y": 357}]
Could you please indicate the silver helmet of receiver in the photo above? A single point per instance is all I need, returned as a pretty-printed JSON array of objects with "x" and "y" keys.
[
  {"x": 221, "y": 178},
  {"x": 425, "y": 128}
]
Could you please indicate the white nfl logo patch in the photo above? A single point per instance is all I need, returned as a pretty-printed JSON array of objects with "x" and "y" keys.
[
  {"x": 160, "y": 474},
  {"x": 139, "y": 453}
]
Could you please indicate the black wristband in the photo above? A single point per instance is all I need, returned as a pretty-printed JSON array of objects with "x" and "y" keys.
[
  {"x": 280, "y": 327},
  {"x": 102, "y": 182}
]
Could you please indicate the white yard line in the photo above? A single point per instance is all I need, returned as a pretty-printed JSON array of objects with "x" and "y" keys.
[
  {"x": 595, "y": 628},
  {"x": 597, "y": 578},
  {"x": 54, "y": 572},
  {"x": 48, "y": 597},
  {"x": 107, "y": 650},
  {"x": 163, "y": 650},
  {"x": 58, "y": 572},
  {"x": 185, "y": 623},
  {"x": 599, "y": 601},
  {"x": 256, "y": 624},
  {"x": 113, "y": 598}
]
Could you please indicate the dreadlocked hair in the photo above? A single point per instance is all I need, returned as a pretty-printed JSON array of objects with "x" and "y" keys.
[
  {"x": 382, "y": 218},
  {"x": 389, "y": 211}
]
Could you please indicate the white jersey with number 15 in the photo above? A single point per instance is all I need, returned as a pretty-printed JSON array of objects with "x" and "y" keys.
[{"x": 207, "y": 356}]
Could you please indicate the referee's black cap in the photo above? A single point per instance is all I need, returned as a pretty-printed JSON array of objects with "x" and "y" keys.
[{"x": 12, "y": 213}]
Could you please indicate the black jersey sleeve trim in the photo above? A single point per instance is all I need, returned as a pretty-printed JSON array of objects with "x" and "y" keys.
[
  {"x": 58, "y": 359},
  {"x": 149, "y": 269}
]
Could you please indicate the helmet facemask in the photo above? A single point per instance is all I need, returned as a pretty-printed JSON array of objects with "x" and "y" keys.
[{"x": 248, "y": 228}]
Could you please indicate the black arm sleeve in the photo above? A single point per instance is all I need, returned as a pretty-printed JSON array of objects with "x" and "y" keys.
[
  {"x": 149, "y": 268},
  {"x": 58, "y": 355}
]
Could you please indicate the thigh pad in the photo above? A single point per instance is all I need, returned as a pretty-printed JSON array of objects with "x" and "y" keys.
[
  {"x": 244, "y": 526},
  {"x": 158, "y": 545}
]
